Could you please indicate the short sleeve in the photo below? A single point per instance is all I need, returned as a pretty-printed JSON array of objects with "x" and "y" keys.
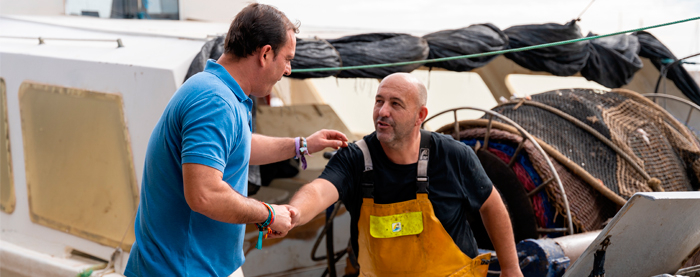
[
  {"x": 342, "y": 170},
  {"x": 208, "y": 132},
  {"x": 476, "y": 182}
]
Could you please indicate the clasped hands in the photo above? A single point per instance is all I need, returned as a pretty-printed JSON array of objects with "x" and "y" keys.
[{"x": 286, "y": 216}]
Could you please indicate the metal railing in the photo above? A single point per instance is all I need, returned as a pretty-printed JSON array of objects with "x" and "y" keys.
[
  {"x": 42, "y": 40},
  {"x": 526, "y": 136},
  {"x": 691, "y": 106}
]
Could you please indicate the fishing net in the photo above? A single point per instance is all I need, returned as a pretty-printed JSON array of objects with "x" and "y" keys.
[
  {"x": 532, "y": 170},
  {"x": 653, "y": 140},
  {"x": 647, "y": 150}
]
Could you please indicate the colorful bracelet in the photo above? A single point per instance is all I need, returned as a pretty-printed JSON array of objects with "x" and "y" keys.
[
  {"x": 301, "y": 150},
  {"x": 264, "y": 228}
]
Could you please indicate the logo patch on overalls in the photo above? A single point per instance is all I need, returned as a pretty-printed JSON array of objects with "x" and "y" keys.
[{"x": 396, "y": 227}]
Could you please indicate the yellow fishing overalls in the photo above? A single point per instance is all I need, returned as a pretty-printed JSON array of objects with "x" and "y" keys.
[{"x": 405, "y": 238}]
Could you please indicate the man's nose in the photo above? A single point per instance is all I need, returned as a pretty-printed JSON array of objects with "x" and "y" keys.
[
  {"x": 384, "y": 110},
  {"x": 288, "y": 69}
]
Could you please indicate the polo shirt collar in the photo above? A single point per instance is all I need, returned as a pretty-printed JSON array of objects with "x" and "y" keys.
[{"x": 219, "y": 71}]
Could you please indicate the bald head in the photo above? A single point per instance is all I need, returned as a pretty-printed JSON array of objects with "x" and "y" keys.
[
  {"x": 409, "y": 84},
  {"x": 399, "y": 110}
]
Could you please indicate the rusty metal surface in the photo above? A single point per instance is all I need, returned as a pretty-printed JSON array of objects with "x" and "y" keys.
[
  {"x": 79, "y": 166},
  {"x": 7, "y": 187}
]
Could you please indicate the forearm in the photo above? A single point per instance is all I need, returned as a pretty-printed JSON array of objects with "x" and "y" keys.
[
  {"x": 230, "y": 206},
  {"x": 265, "y": 150},
  {"x": 207, "y": 194},
  {"x": 313, "y": 198},
  {"x": 497, "y": 223}
]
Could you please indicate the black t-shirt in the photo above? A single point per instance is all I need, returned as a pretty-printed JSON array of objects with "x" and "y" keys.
[{"x": 458, "y": 184}]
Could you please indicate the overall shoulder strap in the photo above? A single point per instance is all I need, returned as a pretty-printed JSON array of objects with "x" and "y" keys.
[
  {"x": 365, "y": 153},
  {"x": 367, "y": 184},
  {"x": 423, "y": 155}
]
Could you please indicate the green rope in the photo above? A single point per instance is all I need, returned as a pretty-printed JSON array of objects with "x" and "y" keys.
[{"x": 489, "y": 53}]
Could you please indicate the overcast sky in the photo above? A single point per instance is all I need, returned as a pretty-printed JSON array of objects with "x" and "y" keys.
[{"x": 415, "y": 16}]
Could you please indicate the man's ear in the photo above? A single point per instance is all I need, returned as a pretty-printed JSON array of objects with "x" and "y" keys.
[
  {"x": 264, "y": 53},
  {"x": 422, "y": 114}
]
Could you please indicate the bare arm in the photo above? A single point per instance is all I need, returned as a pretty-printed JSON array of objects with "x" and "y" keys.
[
  {"x": 208, "y": 194},
  {"x": 312, "y": 199},
  {"x": 497, "y": 223},
  {"x": 265, "y": 150}
]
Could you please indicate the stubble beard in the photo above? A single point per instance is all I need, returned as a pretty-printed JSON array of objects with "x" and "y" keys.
[{"x": 392, "y": 137}]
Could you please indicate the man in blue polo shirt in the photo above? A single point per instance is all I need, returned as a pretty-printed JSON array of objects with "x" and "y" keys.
[{"x": 193, "y": 210}]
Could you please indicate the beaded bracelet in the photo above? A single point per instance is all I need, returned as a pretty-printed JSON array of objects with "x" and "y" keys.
[
  {"x": 301, "y": 150},
  {"x": 264, "y": 228}
]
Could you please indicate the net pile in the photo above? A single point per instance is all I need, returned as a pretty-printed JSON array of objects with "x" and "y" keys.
[
  {"x": 548, "y": 203},
  {"x": 655, "y": 141},
  {"x": 662, "y": 155}
]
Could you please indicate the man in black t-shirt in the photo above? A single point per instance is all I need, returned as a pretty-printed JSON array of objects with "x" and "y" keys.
[
  {"x": 394, "y": 181},
  {"x": 453, "y": 192}
]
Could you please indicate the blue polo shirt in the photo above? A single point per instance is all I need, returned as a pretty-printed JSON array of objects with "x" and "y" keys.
[{"x": 207, "y": 122}]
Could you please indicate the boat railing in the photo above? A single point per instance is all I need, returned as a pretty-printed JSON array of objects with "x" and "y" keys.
[{"x": 526, "y": 136}]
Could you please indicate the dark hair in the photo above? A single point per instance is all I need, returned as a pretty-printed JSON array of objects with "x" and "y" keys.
[{"x": 255, "y": 26}]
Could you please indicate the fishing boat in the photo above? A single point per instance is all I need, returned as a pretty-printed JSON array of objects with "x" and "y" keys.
[{"x": 80, "y": 95}]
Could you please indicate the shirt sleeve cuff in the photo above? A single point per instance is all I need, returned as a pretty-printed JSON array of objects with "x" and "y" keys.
[{"x": 204, "y": 160}]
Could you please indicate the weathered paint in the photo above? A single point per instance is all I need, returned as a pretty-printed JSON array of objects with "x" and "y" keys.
[{"x": 652, "y": 234}]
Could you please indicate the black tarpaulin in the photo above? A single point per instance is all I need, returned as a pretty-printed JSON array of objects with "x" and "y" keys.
[
  {"x": 652, "y": 49},
  {"x": 212, "y": 49},
  {"x": 612, "y": 61},
  {"x": 478, "y": 38},
  {"x": 562, "y": 60},
  {"x": 308, "y": 54},
  {"x": 378, "y": 48},
  {"x": 315, "y": 53}
]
